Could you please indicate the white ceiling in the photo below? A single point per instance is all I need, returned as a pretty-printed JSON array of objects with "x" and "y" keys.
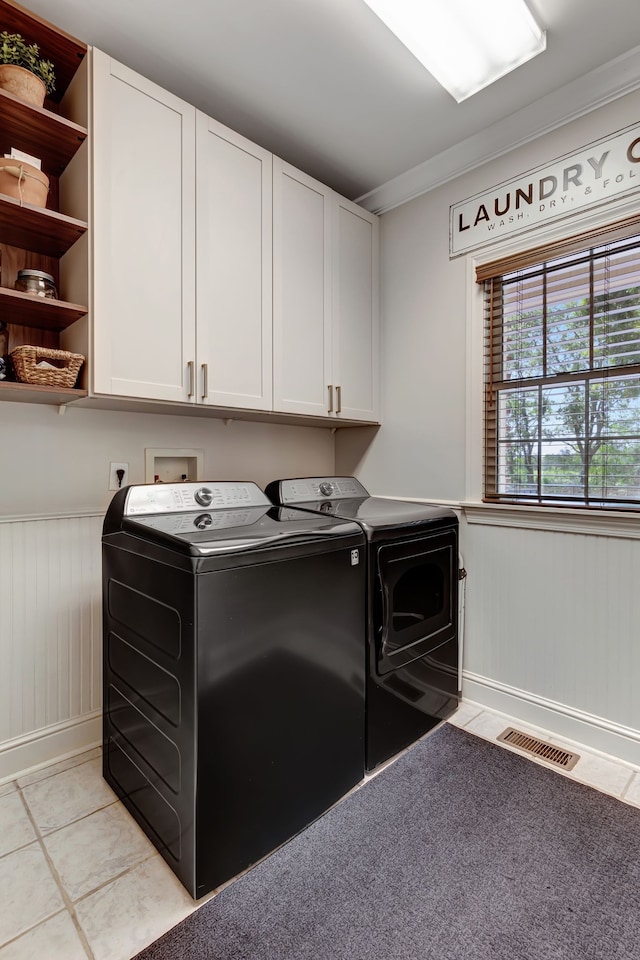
[{"x": 325, "y": 85}]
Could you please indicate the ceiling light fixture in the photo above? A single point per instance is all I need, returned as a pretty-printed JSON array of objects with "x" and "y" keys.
[{"x": 465, "y": 44}]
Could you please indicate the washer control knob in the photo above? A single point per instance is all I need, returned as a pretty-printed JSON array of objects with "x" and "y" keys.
[
  {"x": 203, "y": 521},
  {"x": 326, "y": 488},
  {"x": 203, "y": 496}
]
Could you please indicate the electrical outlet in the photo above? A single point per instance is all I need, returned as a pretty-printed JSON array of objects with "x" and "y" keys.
[{"x": 115, "y": 479}]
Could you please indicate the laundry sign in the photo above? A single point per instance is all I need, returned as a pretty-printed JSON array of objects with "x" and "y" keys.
[{"x": 596, "y": 174}]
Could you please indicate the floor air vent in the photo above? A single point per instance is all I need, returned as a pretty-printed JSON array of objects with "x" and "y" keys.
[{"x": 546, "y": 751}]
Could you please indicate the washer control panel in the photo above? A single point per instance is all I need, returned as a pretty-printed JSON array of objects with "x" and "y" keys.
[
  {"x": 319, "y": 488},
  {"x": 150, "y": 498},
  {"x": 203, "y": 496}
]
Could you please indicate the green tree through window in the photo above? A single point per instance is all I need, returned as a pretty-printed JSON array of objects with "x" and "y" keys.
[{"x": 562, "y": 415}]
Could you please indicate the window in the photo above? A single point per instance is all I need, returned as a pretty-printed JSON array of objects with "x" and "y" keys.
[{"x": 562, "y": 374}]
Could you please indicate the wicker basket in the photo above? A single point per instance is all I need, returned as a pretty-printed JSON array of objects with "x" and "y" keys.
[{"x": 25, "y": 364}]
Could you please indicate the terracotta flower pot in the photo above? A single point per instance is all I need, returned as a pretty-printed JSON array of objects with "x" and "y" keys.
[{"x": 22, "y": 84}]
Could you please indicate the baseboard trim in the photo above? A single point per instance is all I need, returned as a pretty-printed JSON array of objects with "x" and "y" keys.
[
  {"x": 592, "y": 731},
  {"x": 48, "y": 745}
]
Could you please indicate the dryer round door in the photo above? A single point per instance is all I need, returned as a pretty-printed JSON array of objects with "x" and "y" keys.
[{"x": 418, "y": 598}]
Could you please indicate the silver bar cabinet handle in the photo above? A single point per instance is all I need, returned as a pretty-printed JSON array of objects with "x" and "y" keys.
[
  {"x": 339, "y": 399},
  {"x": 205, "y": 381},
  {"x": 330, "y": 389},
  {"x": 191, "y": 369}
]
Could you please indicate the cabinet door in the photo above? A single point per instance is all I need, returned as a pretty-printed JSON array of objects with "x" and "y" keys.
[
  {"x": 301, "y": 292},
  {"x": 356, "y": 331},
  {"x": 234, "y": 242},
  {"x": 144, "y": 230}
]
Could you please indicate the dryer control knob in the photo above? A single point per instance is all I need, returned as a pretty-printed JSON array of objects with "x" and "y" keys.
[
  {"x": 326, "y": 488},
  {"x": 203, "y": 521},
  {"x": 203, "y": 496}
]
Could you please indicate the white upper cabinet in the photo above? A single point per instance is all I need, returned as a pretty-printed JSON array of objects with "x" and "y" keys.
[
  {"x": 325, "y": 277},
  {"x": 222, "y": 276},
  {"x": 233, "y": 251},
  {"x": 356, "y": 328},
  {"x": 144, "y": 236},
  {"x": 301, "y": 292}
]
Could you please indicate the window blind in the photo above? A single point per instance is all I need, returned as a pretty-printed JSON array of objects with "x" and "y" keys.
[{"x": 562, "y": 375}]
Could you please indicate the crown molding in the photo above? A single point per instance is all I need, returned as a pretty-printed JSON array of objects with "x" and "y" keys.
[{"x": 578, "y": 98}]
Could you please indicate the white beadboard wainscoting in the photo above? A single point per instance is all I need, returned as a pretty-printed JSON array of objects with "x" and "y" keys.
[
  {"x": 552, "y": 630},
  {"x": 552, "y": 624},
  {"x": 50, "y": 639}
]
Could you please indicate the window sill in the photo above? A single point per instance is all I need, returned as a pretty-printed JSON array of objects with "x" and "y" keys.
[{"x": 589, "y": 522}]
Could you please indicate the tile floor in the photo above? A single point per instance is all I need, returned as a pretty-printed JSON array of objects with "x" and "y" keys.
[{"x": 80, "y": 881}]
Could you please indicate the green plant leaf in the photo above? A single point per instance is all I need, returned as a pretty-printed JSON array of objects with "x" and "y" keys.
[{"x": 15, "y": 50}]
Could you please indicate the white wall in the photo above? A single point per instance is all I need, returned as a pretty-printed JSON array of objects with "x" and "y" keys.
[
  {"x": 53, "y": 494},
  {"x": 419, "y": 449},
  {"x": 60, "y": 464},
  {"x": 551, "y": 631},
  {"x": 528, "y": 590},
  {"x": 551, "y": 616}
]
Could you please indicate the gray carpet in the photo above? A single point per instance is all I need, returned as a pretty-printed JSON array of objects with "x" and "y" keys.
[{"x": 460, "y": 850}]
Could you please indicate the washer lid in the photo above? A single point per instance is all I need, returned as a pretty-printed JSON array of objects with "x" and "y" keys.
[
  {"x": 345, "y": 497},
  {"x": 380, "y": 517},
  {"x": 209, "y": 532},
  {"x": 207, "y": 519}
]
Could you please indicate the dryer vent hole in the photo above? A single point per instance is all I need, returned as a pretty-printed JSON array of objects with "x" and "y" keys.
[{"x": 546, "y": 751}]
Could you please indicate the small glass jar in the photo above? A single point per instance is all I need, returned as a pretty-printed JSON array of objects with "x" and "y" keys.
[{"x": 36, "y": 282}]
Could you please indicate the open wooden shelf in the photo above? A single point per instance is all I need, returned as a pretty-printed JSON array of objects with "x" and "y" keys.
[
  {"x": 35, "y": 237},
  {"x": 38, "y": 229},
  {"x": 39, "y": 132},
  {"x": 65, "y": 51},
  {"x": 32, "y": 311},
  {"x": 34, "y": 393}
]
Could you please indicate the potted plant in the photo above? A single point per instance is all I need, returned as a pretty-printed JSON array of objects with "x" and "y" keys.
[{"x": 23, "y": 72}]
